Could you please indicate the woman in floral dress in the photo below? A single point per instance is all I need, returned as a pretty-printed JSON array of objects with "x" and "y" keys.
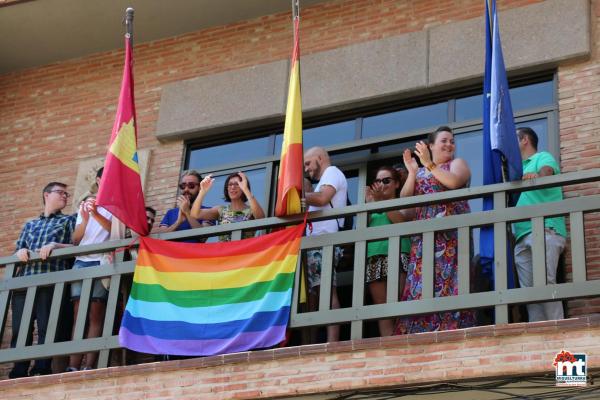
[
  {"x": 441, "y": 172},
  {"x": 242, "y": 203}
]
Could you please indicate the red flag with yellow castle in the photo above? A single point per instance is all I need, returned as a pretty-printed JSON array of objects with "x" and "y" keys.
[{"x": 121, "y": 186}]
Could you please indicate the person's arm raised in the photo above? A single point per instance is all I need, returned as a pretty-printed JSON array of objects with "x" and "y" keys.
[
  {"x": 455, "y": 178},
  {"x": 257, "y": 211},
  {"x": 204, "y": 213}
]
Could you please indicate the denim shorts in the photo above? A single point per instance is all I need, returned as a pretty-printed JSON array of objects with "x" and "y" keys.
[{"x": 99, "y": 292}]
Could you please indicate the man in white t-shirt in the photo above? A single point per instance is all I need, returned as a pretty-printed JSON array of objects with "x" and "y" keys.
[
  {"x": 93, "y": 226},
  {"x": 330, "y": 192}
]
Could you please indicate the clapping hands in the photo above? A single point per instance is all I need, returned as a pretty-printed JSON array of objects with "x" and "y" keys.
[{"x": 410, "y": 162}]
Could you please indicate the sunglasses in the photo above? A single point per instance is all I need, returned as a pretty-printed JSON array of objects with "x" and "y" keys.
[
  {"x": 189, "y": 185},
  {"x": 385, "y": 181}
]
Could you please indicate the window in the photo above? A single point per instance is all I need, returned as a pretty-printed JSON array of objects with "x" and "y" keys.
[
  {"x": 355, "y": 141},
  {"x": 323, "y": 136},
  {"x": 522, "y": 98},
  {"x": 406, "y": 120},
  {"x": 204, "y": 158}
]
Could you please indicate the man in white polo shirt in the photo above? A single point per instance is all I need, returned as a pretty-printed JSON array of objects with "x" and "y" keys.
[{"x": 330, "y": 192}]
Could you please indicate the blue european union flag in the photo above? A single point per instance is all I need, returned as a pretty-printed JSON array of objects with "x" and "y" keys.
[
  {"x": 499, "y": 133},
  {"x": 503, "y": 136}
]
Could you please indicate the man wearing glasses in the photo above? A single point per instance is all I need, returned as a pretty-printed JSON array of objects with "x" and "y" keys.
[
  {"x": 51, "y": 230},
  {"x": 179, "y": 218}
]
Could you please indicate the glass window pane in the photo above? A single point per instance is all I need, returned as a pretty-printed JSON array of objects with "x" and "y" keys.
[
  {"x": 406, "y": 120},
  {"x": 352, "y": 180},
  {"x": 469, "y": 108},
  {"x": 349, "y": 157},
  {"x": 204, "y": 158},
  {"x": 398, "y": 148},
  {"x": 468, "y": 147},
  {"x": 530, "y": 96},
  {"x": 522, "y": 98},
  {"x": 323, "y": 136}
]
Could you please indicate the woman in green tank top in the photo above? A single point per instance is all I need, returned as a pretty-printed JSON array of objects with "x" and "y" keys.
[{"x": 386, "y": 186}]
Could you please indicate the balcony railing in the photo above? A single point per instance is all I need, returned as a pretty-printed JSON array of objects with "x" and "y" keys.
[{"x": 499, "y": 298}]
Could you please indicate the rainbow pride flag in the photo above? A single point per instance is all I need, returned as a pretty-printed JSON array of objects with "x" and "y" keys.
[{"x": 211, "y": 298}]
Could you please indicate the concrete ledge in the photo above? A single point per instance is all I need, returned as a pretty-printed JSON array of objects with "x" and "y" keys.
[
  {"x": 254, "y": 96},
  {"x": 534, "y": 37},
  {"x": 201, "y": 106},
  {"x": 367, "y": 364},
  {"x": 365, "y": 72},
  {"x": 538, "y": 36}
]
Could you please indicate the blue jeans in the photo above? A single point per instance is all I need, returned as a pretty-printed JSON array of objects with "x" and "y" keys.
[{"x": 99, "y": 292}]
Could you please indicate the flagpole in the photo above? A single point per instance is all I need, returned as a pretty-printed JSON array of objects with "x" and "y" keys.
[
  {"x": 296, "y": 15},
  {"x": 118, "y": 228}
]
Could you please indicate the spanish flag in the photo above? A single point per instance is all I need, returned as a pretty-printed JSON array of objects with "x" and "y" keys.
[
  {"x": 121, "y": 187},
  {"x": 289, "y": 184},
  {"x": 211, "y": 298}
]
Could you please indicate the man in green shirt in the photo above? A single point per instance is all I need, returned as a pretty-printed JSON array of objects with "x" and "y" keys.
[{"x": 537, "y": 164}]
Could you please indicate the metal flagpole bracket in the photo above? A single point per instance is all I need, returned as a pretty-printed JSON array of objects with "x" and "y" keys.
[
  {"x": 295, "y": 9},
  {"x": 129, "y": 22}
]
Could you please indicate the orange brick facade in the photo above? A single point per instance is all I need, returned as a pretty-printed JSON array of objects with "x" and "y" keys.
[{"x": 52, "y": 117}]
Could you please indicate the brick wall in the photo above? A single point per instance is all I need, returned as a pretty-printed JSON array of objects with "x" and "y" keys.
[
  {"x": 579, "y": 123},
  {"x": 51, "y": 117},
  {"x": 418, "y": 359}
]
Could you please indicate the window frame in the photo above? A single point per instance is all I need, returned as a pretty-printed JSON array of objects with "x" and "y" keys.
[{"x": 373, "y": 144}]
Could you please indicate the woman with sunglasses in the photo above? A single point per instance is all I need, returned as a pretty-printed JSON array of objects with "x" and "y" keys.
[
  {"x": 236, "y": 191},
  {"x": 386, "y": 186},
  {"x": 440, "y": 172}
]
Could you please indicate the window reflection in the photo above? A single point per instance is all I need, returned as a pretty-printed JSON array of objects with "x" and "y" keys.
[
  {"x": 352, "y": 179},
  {"x": 406, "y": 120},
  {"x": 398, "y": 148},
  {"x": 469, "y": 148},
  {"x": 469, "y": 144},
  {"x": 531, "y": 96},
  {"x": 323, "y": 136},
  {"x": 228, "y": 153},
  {"x": 523, "y": 97},
  {"x": 469, "y": 108}
]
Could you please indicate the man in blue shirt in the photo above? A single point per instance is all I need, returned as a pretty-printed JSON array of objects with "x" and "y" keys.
[
  {"x": 179, "y": 218},
  {"x": 51, "y": 230}
]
